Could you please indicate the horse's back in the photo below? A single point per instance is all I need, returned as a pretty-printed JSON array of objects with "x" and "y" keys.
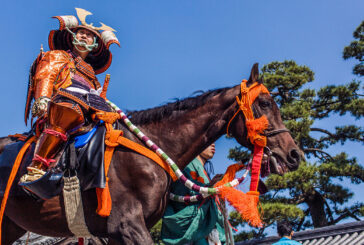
[{"x": 4, "y": 141}]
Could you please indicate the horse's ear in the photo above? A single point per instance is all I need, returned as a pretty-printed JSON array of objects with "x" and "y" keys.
[
  {"x": 261, "y": 79},
  {"x": 254, "y": 75}
]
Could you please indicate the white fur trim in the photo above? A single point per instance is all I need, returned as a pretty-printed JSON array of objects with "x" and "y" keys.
[
  {"x": 108, "y": 37},
  {"x": 69, "y": 21}
]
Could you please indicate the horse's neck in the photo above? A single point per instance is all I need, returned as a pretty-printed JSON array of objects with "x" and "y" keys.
[{"x": 188, "y": 133}]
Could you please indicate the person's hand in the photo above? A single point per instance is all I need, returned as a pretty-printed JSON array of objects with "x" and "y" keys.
[
  {"x": 40, "y": 106},
  {"x": 215, "y": 179}
]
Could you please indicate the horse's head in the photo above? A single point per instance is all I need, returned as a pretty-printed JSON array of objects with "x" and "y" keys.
[{"x": 281, "y": 150}]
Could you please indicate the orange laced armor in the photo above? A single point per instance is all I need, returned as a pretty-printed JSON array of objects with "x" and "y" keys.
[{"x": 56, "y": 69}]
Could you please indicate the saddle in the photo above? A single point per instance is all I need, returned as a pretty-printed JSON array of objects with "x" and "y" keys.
[
  {"x": 83, "y": 156},
  {"x": 90, "y": 165}
]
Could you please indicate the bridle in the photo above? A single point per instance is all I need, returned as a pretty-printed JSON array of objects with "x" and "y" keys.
[
  {"x": 256, "y": 129},
  {"x": 269, "y": 133},
  {"x": 248, "y": 96},
  {"x": 276, "y": 131}
]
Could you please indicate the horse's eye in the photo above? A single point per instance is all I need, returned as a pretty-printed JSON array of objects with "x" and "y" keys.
[{"x": 265, "y": 104}]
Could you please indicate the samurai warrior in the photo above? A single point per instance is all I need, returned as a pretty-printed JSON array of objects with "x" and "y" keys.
[{"x": 64, "y": 86}]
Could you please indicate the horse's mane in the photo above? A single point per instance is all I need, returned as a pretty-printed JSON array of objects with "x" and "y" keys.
[{"x": 156, "y": 114}]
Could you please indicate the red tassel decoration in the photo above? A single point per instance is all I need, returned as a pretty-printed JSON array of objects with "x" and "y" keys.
[
  {"x": 245, "y": 204},
  {"x": 104, "y": 201}
]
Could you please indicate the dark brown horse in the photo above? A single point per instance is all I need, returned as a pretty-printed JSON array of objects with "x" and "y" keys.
[{"x": 139, "y": 187}]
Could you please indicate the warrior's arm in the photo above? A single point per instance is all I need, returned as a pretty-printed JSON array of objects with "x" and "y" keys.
[
  {"x": 45, "y": 77},
  {"x": 47, "y": 72}
]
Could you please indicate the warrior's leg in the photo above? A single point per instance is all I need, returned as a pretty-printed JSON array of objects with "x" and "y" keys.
[{"x": 63, "y": 118}]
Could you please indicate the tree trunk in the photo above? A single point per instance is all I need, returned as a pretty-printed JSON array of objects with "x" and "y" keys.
[{"x": 316, "y": 204}]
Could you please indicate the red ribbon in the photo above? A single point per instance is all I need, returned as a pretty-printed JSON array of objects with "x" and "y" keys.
[{"x": 256, "y": 164}]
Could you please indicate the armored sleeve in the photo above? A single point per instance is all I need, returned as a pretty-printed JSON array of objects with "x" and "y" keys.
[{"x": 48, "y": 71}]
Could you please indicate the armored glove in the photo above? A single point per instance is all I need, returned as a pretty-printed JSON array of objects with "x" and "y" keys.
[{"x": 40, "y": 106}]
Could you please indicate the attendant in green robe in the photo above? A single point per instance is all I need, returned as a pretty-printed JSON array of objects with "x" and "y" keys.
[{"x": 193, "y": 223}]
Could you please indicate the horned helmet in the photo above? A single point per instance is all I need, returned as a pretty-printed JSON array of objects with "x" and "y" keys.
[{"x": 64, "y": 38}]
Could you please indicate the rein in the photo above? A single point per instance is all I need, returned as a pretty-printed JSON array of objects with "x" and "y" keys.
[{"x": 276, "y": 131}]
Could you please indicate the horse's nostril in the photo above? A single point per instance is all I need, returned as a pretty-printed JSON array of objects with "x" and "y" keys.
[
  {"x": 295, "y": 155},
  {"x": 294, "y": 159}
]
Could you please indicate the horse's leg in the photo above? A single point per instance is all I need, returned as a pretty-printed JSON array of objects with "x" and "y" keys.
[
  {"x": 132, "y": 229},
  {"x": 10, "y": 232}
]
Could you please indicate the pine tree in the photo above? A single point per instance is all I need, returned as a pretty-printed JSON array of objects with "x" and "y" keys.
[
  {"x": 356, "y": 50},
  {"x": 313, "y": 195}
]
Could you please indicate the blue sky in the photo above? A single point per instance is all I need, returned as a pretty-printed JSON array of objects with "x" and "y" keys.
[{"x": 172, "y": 48}]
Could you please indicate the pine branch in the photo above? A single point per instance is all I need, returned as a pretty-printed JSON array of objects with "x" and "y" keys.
[
  {"x": 355, "y": 217},
  {"x": 342, "y": 134},
  {"x": 329, "y": 211},
  {"x": 346, "y": 215},
  {"x": 325, "y": 104},
  {"x": 274, "y": 195},
  {"x": 318, "y": 150},
  {"x": 298, "y": 200},
  {"x": 302, "y": 220},
  {"x": 261, "y": 231},
  {"x": 323, "y": 131}
]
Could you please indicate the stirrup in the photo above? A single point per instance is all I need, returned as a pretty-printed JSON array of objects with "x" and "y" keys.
[
  {"x": 42, "y": 184},
  {"x": 32, "y": 175}
]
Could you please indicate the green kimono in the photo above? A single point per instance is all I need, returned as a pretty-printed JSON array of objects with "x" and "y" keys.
[{"x": 185, "y": 223}]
